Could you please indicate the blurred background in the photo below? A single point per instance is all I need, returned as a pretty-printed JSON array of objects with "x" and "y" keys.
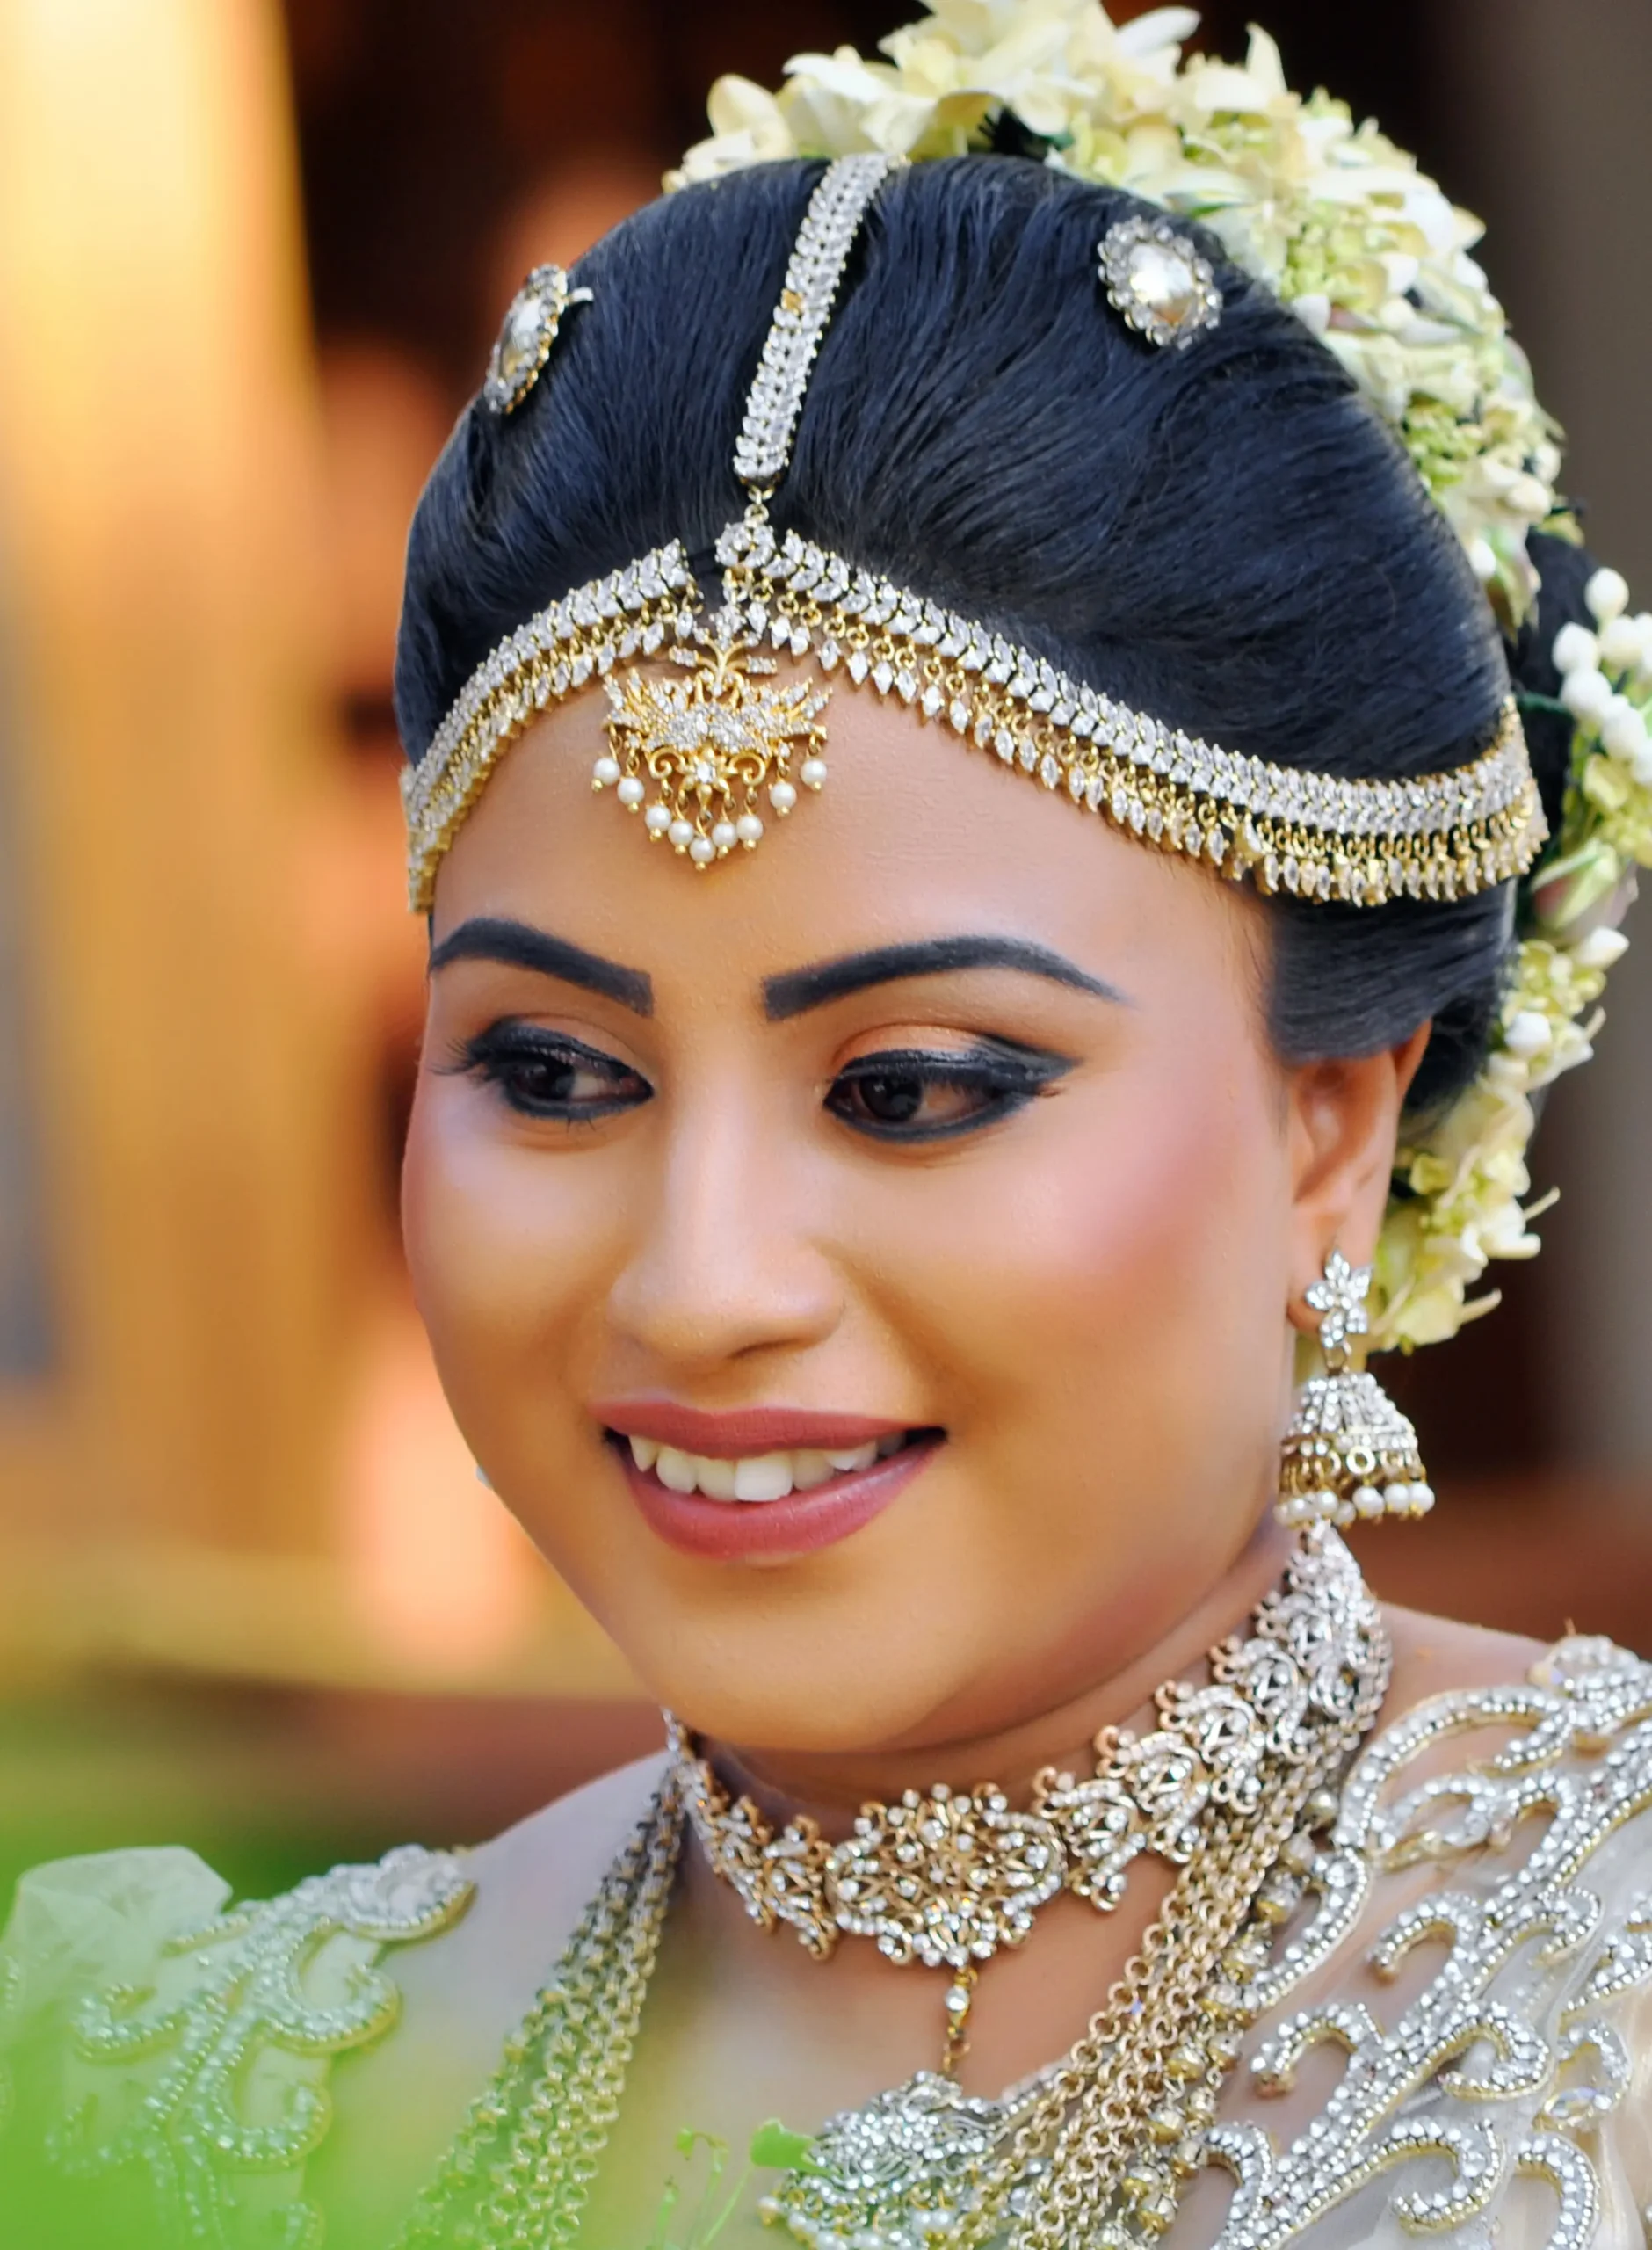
[{"x": 251, "y": 258}]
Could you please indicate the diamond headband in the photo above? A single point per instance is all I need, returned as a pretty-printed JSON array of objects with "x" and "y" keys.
[{"x": 703, "y": 751}]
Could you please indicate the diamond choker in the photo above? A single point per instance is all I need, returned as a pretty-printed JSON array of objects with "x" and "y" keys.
[{"x": 949, "y": 1877}]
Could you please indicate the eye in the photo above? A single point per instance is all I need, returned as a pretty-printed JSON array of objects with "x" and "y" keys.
[
  {"x": 913, "y": 1095},
  {"x": 547, "y": 1074}
]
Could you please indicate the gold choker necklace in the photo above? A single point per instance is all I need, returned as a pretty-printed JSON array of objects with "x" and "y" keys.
[
  {"x": 1097, "y": 2149},
  {"x": 948, "y": 1877}
]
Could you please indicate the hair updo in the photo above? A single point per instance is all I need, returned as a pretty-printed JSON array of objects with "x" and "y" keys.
[{"x": 1225, "y": 536}]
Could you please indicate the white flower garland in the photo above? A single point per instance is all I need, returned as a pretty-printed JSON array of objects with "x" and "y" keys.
[
  {"x": 1339, "y": 223},
  {"x": 1458, "y": 1191},
  {"x": 1345, "y": 230}
]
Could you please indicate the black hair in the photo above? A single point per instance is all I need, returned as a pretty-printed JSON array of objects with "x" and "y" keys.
[{"x": 1226, "y": 536}]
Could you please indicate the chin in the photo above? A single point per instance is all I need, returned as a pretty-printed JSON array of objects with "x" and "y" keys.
[{"x": 788, "y": 1679}]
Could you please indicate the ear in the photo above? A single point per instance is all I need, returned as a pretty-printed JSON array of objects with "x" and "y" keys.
[{"x": 1343, "y": 1122}]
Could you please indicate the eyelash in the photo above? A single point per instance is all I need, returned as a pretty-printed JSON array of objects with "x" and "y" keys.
[
  {"x": 1006, "y": 1078},
  {"x": 1003, "y": 1078},
  {"x": 505, "y": 1055}
]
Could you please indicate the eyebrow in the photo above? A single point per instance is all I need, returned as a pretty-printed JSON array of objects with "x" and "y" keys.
[
  {"x": 519, "y": 945},
  {"x": 802, "y": 989}
]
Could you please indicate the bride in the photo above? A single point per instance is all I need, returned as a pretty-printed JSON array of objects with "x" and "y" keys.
[{"x": 1017, "y": 775}]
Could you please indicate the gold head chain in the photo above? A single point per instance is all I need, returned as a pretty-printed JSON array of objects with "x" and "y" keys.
[{"x": 707, "y": 745}]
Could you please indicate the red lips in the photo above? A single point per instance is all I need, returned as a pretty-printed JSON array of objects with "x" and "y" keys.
[
  {"x": 739, "y": 1531},
  {"x": 745, "y": 1431}
]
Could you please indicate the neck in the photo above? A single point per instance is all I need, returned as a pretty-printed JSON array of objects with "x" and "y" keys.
[{"x": 831, "y": 1785}]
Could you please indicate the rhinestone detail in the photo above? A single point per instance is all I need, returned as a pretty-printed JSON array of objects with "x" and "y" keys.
[
  {"x": 1523, "y": 1963},
  {"x": 530, "y": 329},
  {"x": 1312, "y": 835},
  {"x": 1157, "y": 282},
  {"x": 816, "y": 270}
]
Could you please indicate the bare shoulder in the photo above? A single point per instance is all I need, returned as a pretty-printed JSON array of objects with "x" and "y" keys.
[
  {"x": 1434, "y": 1655},
  {"x": 461, "y": 1996},
  {"x": 547, "y": 1866}
]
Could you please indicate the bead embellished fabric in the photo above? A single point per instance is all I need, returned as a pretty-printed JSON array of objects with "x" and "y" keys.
[{"x": 1473, "y": 1950}]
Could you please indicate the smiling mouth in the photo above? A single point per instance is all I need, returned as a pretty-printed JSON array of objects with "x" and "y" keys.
[{"x": 760, "y": 1479}]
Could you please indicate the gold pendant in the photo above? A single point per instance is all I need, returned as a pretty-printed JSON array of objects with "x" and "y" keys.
[{"x": 707, "y": 745}]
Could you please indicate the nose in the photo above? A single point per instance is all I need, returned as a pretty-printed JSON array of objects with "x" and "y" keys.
[{"x": 722, "y": 1265}]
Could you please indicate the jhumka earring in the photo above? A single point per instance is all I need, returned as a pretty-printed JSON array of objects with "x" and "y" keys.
[{"x": 1350, "y": 1452}]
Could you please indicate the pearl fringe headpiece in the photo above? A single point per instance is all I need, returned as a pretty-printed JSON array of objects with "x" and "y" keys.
[
  {"x": 1409, "y": 317},
  {"x": 696, "y": 755}
]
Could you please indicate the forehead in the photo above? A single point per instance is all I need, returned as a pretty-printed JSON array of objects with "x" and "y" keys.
[{"x": 914, "y": 834}]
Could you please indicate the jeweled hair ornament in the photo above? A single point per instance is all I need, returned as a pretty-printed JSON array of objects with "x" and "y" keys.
[
  {"x": 532, "y": 321},
  {"x": 1343, "y": 227},
  {"x": 701, "y": 757},
  {"x": 1157, "y": 282}
]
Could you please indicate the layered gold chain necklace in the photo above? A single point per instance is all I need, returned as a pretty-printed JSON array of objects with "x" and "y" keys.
[{"x": 1230, "y": 1786}]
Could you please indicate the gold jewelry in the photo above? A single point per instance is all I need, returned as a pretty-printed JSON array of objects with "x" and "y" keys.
[
  {"x": 1094, "y": 2150},
  {"x": 710, "y": 742},
  {"x": 948, "y": 1877},
  {"x": 1349, "y": 1452},
  {"x": 1313, "y": 836},
  {"x": 531, "y": 327},
  {"x": 521, "y": 2165}
]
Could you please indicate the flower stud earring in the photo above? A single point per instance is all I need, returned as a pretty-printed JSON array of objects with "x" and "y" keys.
[{"x": 1350, "y": 1452}]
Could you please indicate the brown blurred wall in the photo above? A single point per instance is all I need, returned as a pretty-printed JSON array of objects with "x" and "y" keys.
[
  {"x": 198, "y": 1155},
  {"x": 1553, "y": 149},
  {"x": 214, "y": 991}
]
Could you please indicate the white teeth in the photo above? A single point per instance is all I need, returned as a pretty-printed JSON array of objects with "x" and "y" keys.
[
  {"x": 858, "y": 1456},
  {"x": 676, "y": 1470},
  {"x": 766, "y": 1477},
  {"x": 758, "y": 1477},
  {"x": 719, "y": 1480}
]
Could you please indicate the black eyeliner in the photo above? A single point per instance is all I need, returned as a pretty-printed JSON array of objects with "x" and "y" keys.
[
  {"x": 955, "y": 1066},
  {"x": 1013, "y": 1074},
  {"x": 490, "y": 1056}
]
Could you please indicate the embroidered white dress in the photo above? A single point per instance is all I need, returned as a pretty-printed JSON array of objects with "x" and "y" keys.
[{"x": 1476, "y": 1947}]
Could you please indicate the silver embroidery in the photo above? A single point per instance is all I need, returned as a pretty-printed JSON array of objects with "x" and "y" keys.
[
  {"x": 190, "y": 2133},
  {"x": 1457, "y": 2037},
  {"x": 1503, "y": 2067}
]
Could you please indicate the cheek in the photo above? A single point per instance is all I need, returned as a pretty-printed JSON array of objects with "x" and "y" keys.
[
  {"x": 1124, "y": 1290},
  {"x": 503, "y": 1245}
]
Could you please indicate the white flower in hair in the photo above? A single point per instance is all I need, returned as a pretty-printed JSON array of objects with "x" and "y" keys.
[
  {"x": 1461, "y": 1189},
  {"x": 1333, "y": 217},
  {"x": 1377, "y": 263}
]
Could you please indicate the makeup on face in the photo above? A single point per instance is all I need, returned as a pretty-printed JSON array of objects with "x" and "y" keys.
[
  {"x": 908, "y": 1119},
  {"x": 763, "y": 1481}
]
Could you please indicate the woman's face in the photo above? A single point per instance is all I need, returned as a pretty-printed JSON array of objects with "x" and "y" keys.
[{"x": 939, "y": 1134}]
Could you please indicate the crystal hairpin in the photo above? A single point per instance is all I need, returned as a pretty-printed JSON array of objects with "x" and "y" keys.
[
  {"x": 529, "y": 330},
  {"x": 1157, "y": 282}
]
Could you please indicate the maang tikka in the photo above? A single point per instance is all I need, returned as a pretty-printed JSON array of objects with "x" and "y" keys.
[
  {"x": 707, "y": 742},
  {"x": 1349, "y": 1453},
  {"x": 696, "y": 755}
]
